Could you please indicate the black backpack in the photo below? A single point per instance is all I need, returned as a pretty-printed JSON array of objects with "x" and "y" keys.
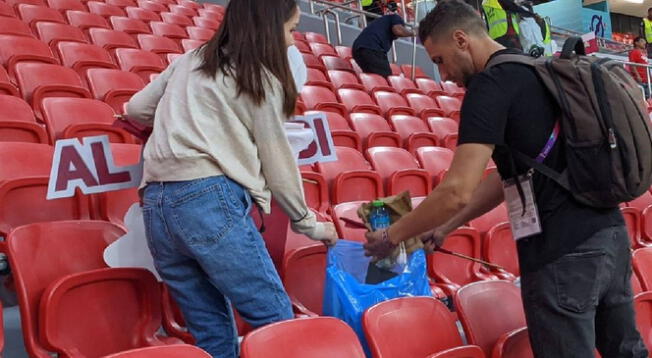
[{"x": 606, "y": 127}]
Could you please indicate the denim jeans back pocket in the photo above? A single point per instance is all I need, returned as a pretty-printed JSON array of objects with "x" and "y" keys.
[
  {"x": 577, "y": 280},
  {"x": 201, "y": 211}
]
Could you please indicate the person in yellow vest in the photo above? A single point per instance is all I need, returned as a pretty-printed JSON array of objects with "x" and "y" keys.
[
  {"x": 646, "y": 31},
  {"x": 502, "y": 19}
]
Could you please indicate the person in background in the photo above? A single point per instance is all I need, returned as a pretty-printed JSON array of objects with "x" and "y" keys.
[
  {"x": 218, "y": 147},
  {"x": 502, "y": 17},
  {"x": 373, "y": 6},
  {"x": 575, "y": 279},
  {"x": 645, "y": 31},
  {"x": 639, "y": 55},
  {"x": 374, "y": 42}
]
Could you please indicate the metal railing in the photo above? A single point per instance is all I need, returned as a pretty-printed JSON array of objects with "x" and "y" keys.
[
  {"x": 648, "y": 70},
  {"x": 329, "y": 9}
]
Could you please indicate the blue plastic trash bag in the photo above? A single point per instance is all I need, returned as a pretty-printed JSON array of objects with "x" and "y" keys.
[{"x": 346, "y": 296}]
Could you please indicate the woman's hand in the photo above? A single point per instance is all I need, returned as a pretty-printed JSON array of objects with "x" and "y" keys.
[{"x": 324, "y": 232}]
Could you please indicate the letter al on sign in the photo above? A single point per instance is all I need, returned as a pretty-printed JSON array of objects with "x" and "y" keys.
[{"x": 90, "y": 167}]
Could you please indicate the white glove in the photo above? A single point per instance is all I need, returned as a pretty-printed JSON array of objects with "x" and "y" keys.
[{"x": 319, "y": 231}]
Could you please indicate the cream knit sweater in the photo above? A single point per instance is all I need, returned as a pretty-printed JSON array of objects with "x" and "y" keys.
[{"x": 202, "y": 128}]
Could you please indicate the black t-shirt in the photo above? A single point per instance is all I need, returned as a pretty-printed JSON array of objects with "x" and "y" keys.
[
  {"x": 508, "y": 106},
  {"x": 378, "y": 35}
]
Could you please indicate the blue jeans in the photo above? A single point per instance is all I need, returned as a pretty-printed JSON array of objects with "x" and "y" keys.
[
  {"x": 210, "y": 254},
  {"x": 583, "y": 300}
]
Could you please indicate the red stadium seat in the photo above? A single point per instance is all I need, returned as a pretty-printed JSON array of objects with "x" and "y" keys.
[
  {"x": 424, "y": 106},
  {"x": 484, "y": 321},
  {"x": 315, "y": 192},
  {"x": 15, "y": 3},
  {"x": 500, "y": 248},
  {"x": 315, "y": 37},
  {"x": 189, "y": 45},
  {"x": 157, "y": 44},
  {"x": 19, "y": 197},
  {"x": 321, "y": 98},
  {"x": 407, "y": 71},
  {"x": 81, "y": 117},
  {"x": 450, "y": 272},
  {"x": 129, "y": 25},
  {"x": 403, "y": 85},
  {"x": 514, "y": 344},
  {"x": 206, "y": 23},
  {"x": 373, "y": 82},
  {"x": 345, "y": 231},
  {"x": 312, "y": 61},
  {"x": 113, "y": 87},
  {"x": 304, "y": 273},
  {"x": 430, "y": 87},
  {"x": 172, "y": 31},
  {"x": 392, "y": 103},
  {"x": 17, "y": 124},
  {"x": 345, "y": 53},
  {"x": 16, "y": 49},
  {"x": 52, "y": 33},
  {"x": 396, "y": 70},
  {"x": 129, "y": 317},
  {"x": 60, "y": 248},
  {"x": 30, "y": 14},
  {"x": 121, "y": 3},
  {"x": 80, "y": 57},
  {"x": 414, "y": 132},
  {"x": 111, "y": 39},
  {"x": 443, "y": 127},
  {"x": 16, "y": 165},
  {"x": 191, "y": 4},
  {"x": 414, "y": 327},
  {"x": 642, "y": 264},
  {"x": 374, "y": 131},
  {"x": 152, "y": 6},
  {"x": 182, "y": 10},
  {"x": 357, "y": 101},
  {"x": 303, "y": 337},
  {"x": 450, "y": 105},
  {"x": 6, "y": 87},
  {"x": 214, "y": 7},
  {"x": 436, "y": 161},
  {"x": 355, "y": 66},
  {"x": 351, "y": 178},
  {"x": 104, "y": 10},
  {"x": 140, "y": 62},
  {"x": 65, "y": 5},
  {"x": 322, "y": 49},
  {"x": 336, "y": 63},
  {"x": 400, "y": 171},
  {"x": 644, "y": 205},
  {"x": 143, "y": 15},
  {"x": 199, "y": 33},
  {"x": 212, "y": 15},
  {"x": 6, "y": 10},
  {"x": 344, "y": 79},
  {"x": 13, "y": 26},
  {"x": 317, "y": 78},
  {"x": 302, "y": 46},
  {"x": 85, "y": 20},
  {"x": 496, "y": 216},
  {"x": 168, "y": 351},
  {"x": 643, "y": 309},
  {"x": 452, "y": 89},
  {"x": 633, "y": 220},
  {"x": 40, "y": 80},
  {"x": 175, "y": 19}
]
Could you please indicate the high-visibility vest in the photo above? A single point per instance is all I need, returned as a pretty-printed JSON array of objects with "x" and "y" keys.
[
  {"x": 547, "y": 40},
  {"x": 367, "y": 2},
  {"x": 497, "y": 19},
  {"x": 648, "y": 30}
]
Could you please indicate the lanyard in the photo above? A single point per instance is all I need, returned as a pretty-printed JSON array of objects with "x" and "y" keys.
[{"x": 551, "y": 142}]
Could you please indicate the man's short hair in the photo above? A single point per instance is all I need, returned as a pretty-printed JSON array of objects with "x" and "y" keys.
[
  {"x": 448, "y": 16},
  {"x": 639, "y": 38}
]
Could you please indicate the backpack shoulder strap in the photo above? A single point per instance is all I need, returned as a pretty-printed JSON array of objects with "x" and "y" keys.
[{"x": 511, "y": 58}]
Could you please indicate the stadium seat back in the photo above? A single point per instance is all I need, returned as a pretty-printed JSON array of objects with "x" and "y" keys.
[
  {"x": 141, "y": 62},
  {"x": 335, "y": 63},
  {"x": 17, "y": 165},
  {"x": 144, "y": 15},
  {"x": 105, "y": 10},
  {"x": 84, "y": 20},
  {"x": 304, "y": 273},
  {"x": 176, "y": 19},
  {"x": 172, "y": 31},
  {"x": 81, "y": 56},
  {"x": 200, "y": 33},
  {"x": 129, "y": 25},
  {"x": 169, "y": 351},
  {"x": 111, "y": 39},
  {"x": 13, "y": 26},
  {"x": 114, "y": 87},
  {"x": 489, "y": 309},
  {"x": 435, "y": 160},
  {"x": 500, "y": 248},
  {"x": 51, "y": 33}
]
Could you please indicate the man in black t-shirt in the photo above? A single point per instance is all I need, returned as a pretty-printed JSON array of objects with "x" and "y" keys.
[
  {"x": 575, "y": 273},
  {"x": 371, "y": 47}
]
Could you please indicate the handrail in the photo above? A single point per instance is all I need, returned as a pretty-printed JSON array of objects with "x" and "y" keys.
[
  {"x": 647, "y": 69},
  {"x": 338, "y": 29},
  {"x": 414, "y": 42}
]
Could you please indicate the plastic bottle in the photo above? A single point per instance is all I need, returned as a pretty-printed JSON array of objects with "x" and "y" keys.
[{"x": 379, "y": 217}]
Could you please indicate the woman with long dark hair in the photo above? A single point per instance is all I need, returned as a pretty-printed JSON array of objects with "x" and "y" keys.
[{"x": 217, "y": 146}]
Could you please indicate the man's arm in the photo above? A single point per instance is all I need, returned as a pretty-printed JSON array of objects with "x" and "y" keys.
[
  {"x": 402, "y": 31},
  {"x": 449, "y": 197},
  {"x": 486, "y": 197}
]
